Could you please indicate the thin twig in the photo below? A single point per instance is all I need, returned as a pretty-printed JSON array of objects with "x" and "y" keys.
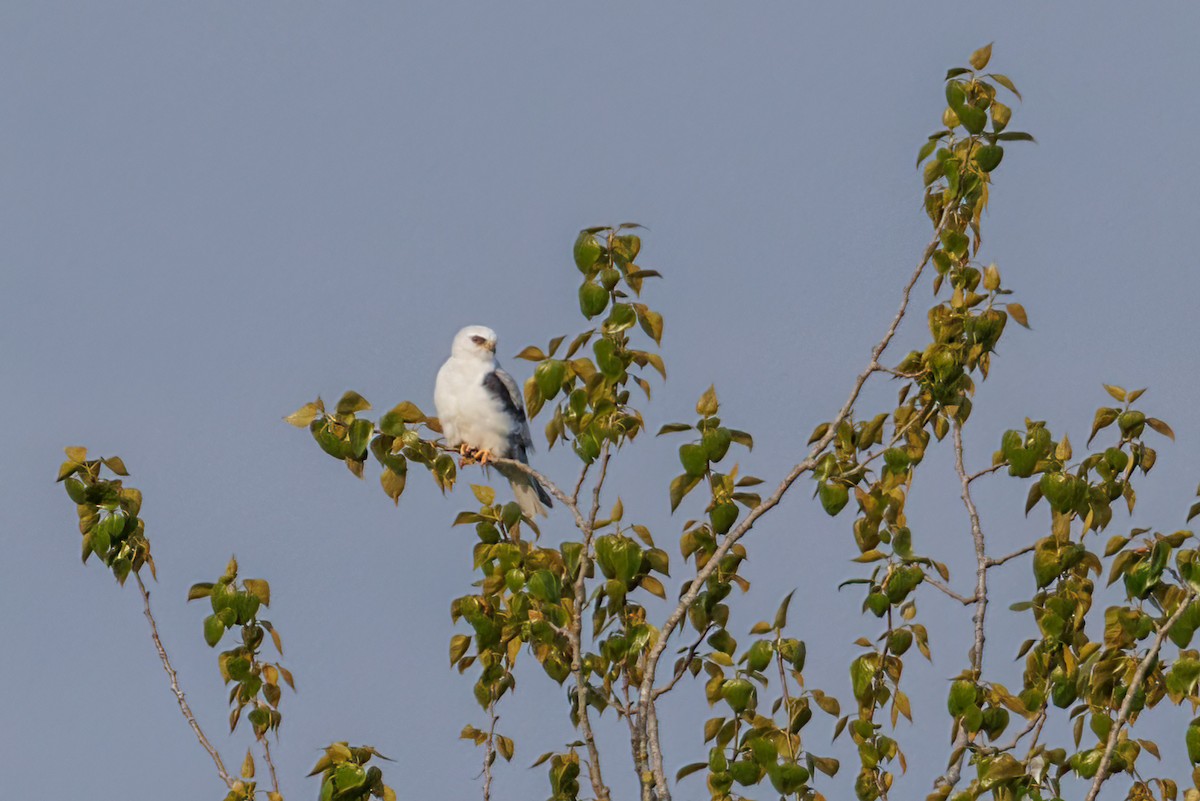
[
  {"x": 683, "y": 664},
  {"x": 808, "y": 463},
  {"x": 270, "y": 765},
  {"x": 1139, "y": 676},
  {"x": 937, "y": 585},
  {"x": 1036, "y": 722},
  {"x": 987, "y": 471},
  {"x": 999, "y": 560},
  {"x": 579, "y": 484},
  {"x": 183, "y": 704}
]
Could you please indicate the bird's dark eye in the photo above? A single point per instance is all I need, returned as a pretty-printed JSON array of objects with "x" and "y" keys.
[{"x": 478, "y": 340}]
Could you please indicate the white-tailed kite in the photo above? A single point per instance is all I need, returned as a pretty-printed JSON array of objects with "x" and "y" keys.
[{"x": 481, "y": 411}]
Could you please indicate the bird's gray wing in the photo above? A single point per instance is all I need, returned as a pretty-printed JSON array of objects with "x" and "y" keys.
[
  {"x": 501, "y": 386},
  {"x": 529, "y": 493}
]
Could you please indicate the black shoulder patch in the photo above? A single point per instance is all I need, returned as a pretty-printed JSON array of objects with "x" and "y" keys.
[{"x": 494, "y": 385}]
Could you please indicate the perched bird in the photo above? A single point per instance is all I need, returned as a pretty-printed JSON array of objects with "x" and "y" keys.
[{"x": 482, "y": 414}]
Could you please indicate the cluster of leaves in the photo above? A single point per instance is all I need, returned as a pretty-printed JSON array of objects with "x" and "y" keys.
[
  {"x": 520, "y": 601},
  {"x": 749, "y": 747},
  {"x": 346, "y": 777},
  {"x": 346, "y": 435},
  {"x": 256, "y": 684},
  {"x": 1064, "y": 667},
  {"x": 108, "y": 513},
  {"x": 592, "y": 406}
]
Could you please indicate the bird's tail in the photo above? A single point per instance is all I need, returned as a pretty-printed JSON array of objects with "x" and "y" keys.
[{"x": 530, "y": 495}]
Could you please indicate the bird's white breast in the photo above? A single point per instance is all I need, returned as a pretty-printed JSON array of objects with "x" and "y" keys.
[{"x": 468, "y": 412}]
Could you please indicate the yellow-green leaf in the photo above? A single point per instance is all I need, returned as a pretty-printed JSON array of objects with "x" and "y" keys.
[
  {"x": 1017, "y": 312},
  {"x": 981, "y": 57}
]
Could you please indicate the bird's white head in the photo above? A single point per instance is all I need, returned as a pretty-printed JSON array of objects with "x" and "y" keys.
[{"x": 474, "y": 342}]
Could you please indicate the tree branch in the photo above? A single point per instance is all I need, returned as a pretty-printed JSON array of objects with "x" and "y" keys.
[
  {"x": 174, "y": 678},
  {"x": 1139, "y": 676},
  {"x": 981, "y": 560},
  {"x": 489, "y": 754},
  {"x": 954, "y": 773},
  {"x": 575, "y": 633}
]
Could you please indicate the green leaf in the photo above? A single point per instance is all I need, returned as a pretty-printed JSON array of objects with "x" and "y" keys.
[
  {"x": 1105, "y": 416},
  {"x": 1017, "y": 312},
  {"x": 351, "y": 403},
  {"x": 1006, "y": 82},
  {"x": 834, "y": 497},
  {"x": 1161, "y": 427},
  {"x": 681, "y": 485},
  {"x": 115, "y": 464},
  {"x": 693, "y": 459},
  {"x": 545, "y": 586},
  {"x": 531, "y": 353},
  {"x": 956, "y": 96},
  {"x": 628, "y": 247},
  {"x": 962, "y": 697},
  {"x": 214, "y": 630},
  {"x": 586, "y": 251},
  {"x": 76, "y": 490},
  {"x": 607, "y": 358},
  {"x": 925, "y": 150},
  {"x": 593, "y": 299},
  {"x": 1046, "y": 564},
  {"x": 1192, "y": 740},
  {"x": 861, "y": 676},
  {"x": 781, "y": 613},
  {"x": 973, "y": 119},
  {"x": 458, "y": 646},
  {"x": 202, "y": 590},
  {"x": 393, "y": 422},
  {"x": 651, "y": 321},
  {"x": 988, "y": 157},
  {"x": 1001, "y": 114},
  {"x": 673, "y": 428},
  {"x": 549, "y": 376},
  {"x": 392, "y": 483}
]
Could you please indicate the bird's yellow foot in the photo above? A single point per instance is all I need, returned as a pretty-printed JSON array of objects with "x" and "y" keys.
[
  {"x": 484, "y": 456},
  {"x": 466, "y": 455}
]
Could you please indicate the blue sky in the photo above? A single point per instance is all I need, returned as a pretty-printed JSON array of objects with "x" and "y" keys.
[{"x": 216, "y": 211}]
